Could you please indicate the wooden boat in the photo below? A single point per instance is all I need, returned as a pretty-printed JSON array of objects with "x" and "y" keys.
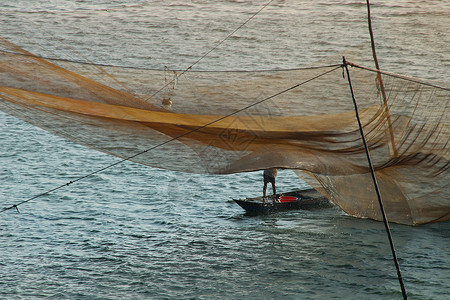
[{"x": 303, "y": 199}]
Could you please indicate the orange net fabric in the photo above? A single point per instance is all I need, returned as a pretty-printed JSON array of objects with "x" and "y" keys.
[{"x": 228, "y": 122}]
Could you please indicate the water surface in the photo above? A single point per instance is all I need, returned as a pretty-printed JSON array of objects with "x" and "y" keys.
[{"x": 138, "y": 232}]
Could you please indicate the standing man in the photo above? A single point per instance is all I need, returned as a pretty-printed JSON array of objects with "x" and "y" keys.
[{"x": 269, "y": 176}]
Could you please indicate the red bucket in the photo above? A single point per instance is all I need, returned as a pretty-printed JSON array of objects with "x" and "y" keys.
[{"x": 287, "y": 199}]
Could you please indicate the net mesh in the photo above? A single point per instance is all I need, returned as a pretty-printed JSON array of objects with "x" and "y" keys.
[{"x": 228, "y": 122}]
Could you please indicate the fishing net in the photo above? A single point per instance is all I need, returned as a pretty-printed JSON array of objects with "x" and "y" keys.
[{"x": 228, "y": 122}]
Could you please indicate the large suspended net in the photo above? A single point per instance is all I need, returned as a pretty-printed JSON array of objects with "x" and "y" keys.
[{"x": 228, "y": 122}]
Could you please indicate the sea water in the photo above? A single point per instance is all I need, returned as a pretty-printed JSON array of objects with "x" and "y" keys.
[{"x": 134, "y": 232}]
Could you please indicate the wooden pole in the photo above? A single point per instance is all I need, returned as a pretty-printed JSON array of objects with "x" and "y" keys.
[
  {"x": 380, "y": 82},
  {"x": 374, "y": 178}
]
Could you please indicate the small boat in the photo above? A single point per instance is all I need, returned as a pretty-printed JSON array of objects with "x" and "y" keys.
[{"x": 302, "y": 199}]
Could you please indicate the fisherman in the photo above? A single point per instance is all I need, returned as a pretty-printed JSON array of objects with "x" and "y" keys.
[{"x": 269, "y": 176}]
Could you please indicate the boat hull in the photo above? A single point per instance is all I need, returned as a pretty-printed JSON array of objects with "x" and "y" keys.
[{"x": 307, "y": 199}]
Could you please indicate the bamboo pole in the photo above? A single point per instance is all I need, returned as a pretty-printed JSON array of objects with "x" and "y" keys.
[
  {"x": 377, "y": 190},
  {"x": 380, "y": 82}
]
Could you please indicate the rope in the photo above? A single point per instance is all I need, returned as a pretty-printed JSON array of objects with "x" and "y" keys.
[
  {"x": 407, "y": 78},
  {"x": 89, "y": 63},
  {"x": 372, "y": 172},
  {"x": 213, "y": 48},
  {"x": 170, "y": 140}
]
